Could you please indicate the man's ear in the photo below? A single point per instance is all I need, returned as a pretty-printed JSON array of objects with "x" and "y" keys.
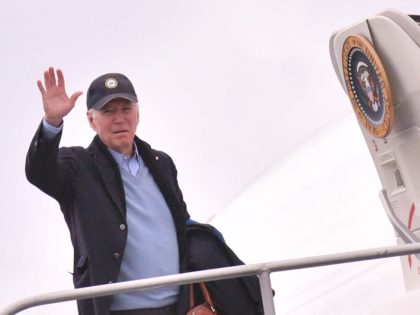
[{"x": 89, "y": 116}]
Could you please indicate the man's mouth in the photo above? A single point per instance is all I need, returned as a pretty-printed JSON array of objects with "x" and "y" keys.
[{"x": 120, "y": 131}]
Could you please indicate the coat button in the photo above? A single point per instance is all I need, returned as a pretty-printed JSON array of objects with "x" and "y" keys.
[
  {"x": 156, "y": 157},
  {"x": 122, "y": 227},
  {"x": 117, "y": 255}
]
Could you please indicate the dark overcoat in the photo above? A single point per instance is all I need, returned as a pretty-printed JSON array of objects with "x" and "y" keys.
[
  {"x": 88, "y": 186},
  {"x": 208, "y": 250}
]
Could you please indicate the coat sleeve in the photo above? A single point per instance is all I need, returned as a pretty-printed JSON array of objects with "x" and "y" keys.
[
  {"x": 178, "y": 190},
  {"x": 43, "y": 168}
]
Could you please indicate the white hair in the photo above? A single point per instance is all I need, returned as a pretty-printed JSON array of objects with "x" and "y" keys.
[{"x": 93, "y": 111}]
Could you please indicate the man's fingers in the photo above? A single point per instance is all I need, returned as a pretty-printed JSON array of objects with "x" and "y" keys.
[
  {"x": 47, "y": 81},
  {"x": 52, "y": 76},
  {"x": 75, "y": 96},
  {"x": 40, "y": 87},
  {"x": 60, "y": 77}
]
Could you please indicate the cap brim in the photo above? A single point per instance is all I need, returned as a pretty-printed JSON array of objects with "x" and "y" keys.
[{"x": 103, "y": 101}]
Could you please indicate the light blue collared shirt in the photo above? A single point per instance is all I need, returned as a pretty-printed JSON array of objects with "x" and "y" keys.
[
  {"x": 131, "y": 164},
  {"x": 50, "y": 131}
]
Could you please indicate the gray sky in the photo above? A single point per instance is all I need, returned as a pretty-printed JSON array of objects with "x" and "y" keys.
[{"x": 227, "y": 88}]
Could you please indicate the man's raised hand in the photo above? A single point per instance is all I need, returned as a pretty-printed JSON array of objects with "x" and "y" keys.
[{"x": 54, "y": 97}]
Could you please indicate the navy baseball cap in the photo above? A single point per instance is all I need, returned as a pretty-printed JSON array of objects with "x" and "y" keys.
[{"x": 108, "y": 87}]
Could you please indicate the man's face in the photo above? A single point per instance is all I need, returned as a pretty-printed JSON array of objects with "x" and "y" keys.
[{"x": 116, "y": 124}]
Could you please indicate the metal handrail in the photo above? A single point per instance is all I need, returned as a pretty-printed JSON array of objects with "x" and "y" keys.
[
  {"x": 263, "y": 270},
  {"x": 400, "y": 228}
]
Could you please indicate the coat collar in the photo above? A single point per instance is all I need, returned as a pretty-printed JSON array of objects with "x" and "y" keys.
[{"x": 107, "y": 169}]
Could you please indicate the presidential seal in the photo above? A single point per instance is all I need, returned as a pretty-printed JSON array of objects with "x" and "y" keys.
[
  {"x": 111, "y": 83},
  {"x": 367, "y": 86}
]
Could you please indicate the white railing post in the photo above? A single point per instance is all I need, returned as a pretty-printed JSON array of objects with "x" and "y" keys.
[{"x": 266, "y": 292}]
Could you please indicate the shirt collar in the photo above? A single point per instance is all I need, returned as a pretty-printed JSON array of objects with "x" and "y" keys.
[{"x": 120, "y": 157}]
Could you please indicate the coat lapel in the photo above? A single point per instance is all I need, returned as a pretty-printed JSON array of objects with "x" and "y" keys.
[
  {"x": 152, "y": 162},
  {"x": 167, "y": 186},
  {"x": 108, "y": 172}
]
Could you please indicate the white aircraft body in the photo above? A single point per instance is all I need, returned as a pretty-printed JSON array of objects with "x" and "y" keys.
[
  {"x": 385, "y": 97},
  {"x": 377, "y": 63}
]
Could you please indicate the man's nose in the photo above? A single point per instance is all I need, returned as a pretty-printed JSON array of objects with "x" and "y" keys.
[{"x": 118, "y": 116}]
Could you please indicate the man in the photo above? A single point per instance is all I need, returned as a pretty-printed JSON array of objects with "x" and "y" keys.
[{"x": 120, "y": 198}]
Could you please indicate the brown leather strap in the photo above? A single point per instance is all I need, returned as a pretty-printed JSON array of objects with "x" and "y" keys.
[
  {"x": 207, "y": 296},
  {"x": 191, "y": 288}
]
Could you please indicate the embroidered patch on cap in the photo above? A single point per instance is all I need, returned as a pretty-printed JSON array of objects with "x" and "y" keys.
[{"x": 111, "y": 83}]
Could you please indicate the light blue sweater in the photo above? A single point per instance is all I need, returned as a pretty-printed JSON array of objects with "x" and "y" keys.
[{"x": 152, "y": 248}]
